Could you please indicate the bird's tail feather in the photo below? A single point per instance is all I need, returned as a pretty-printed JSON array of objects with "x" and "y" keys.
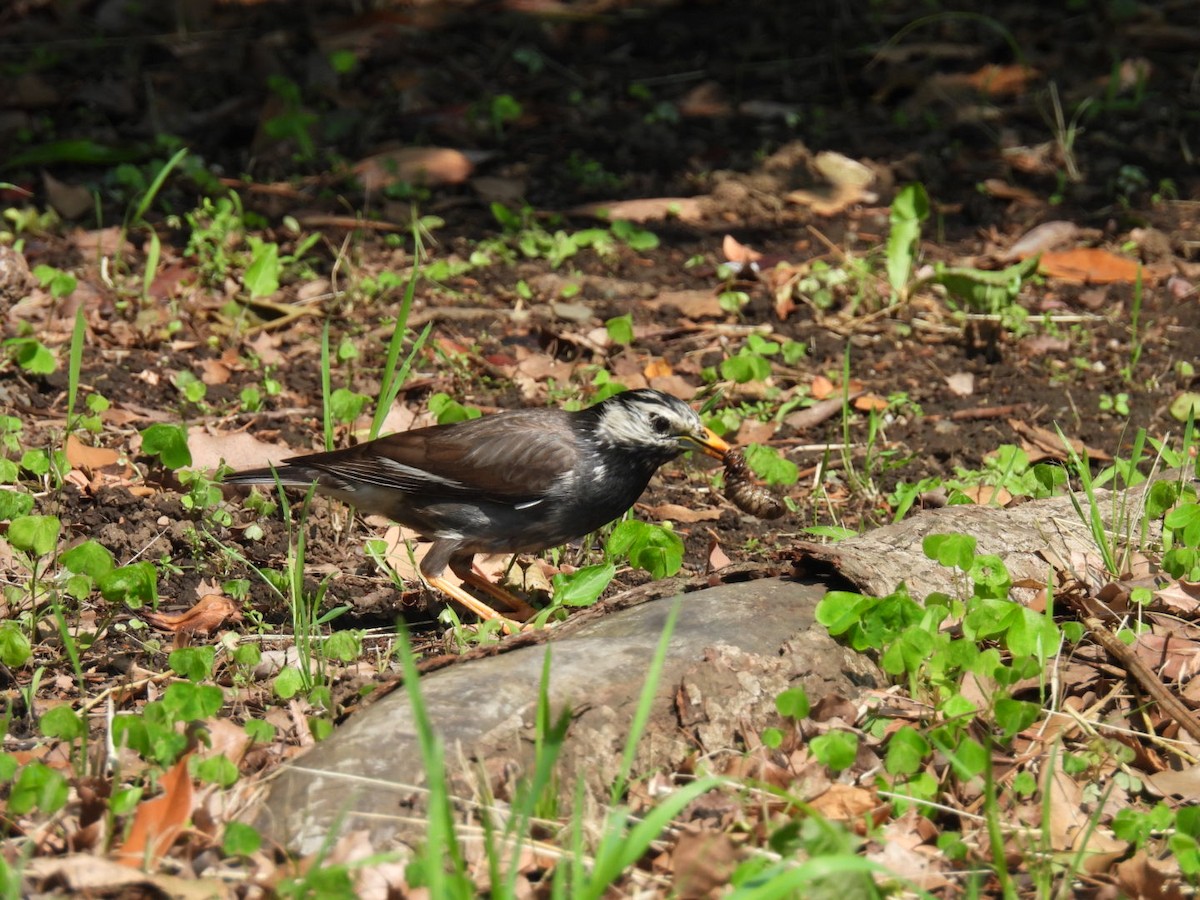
[{"x": 287, "y": 475}]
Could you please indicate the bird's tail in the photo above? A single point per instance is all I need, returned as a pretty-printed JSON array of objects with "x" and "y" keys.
[{"x": 292, "y": 476}]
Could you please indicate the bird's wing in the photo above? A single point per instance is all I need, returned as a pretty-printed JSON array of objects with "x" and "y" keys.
[{"x": 511, "y": 457}]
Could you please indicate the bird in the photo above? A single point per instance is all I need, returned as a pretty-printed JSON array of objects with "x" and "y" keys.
[{"x": 518, "y": 481}]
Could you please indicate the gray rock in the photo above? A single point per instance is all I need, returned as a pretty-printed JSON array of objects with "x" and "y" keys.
[{"x": 735, "y": 647}]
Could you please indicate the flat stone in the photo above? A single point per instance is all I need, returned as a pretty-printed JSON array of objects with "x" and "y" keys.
[{"x": 734, "y": 649}]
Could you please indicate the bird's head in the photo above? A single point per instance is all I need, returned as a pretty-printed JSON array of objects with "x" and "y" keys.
[{"x": 656, "y": 423}]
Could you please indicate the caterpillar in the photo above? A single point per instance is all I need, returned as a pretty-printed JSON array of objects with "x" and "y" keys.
[{"x": 741, "y": 489}]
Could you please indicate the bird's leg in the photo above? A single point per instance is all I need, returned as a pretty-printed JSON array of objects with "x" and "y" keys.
[
  {"x": 481, "y": 609},
  {"x": 463, "y": 567}
]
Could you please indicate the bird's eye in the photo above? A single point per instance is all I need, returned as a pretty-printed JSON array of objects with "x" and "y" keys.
[{"x": 660, "y": 424}]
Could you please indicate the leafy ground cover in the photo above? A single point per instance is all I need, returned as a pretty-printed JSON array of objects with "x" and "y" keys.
[{"x": 904, "y": 262}]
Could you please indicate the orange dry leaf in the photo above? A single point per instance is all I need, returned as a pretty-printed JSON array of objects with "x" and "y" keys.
[
  {"x": 870, "y": 402},
  {"x": 737, "y": 252},
  {"x": 210, "y": 613},
  {"x": 845, "y": 802},
  {"x": 81, "y": 456},
  {"x": 822, "y": 388},
  {"x": 657, "y": 368},
  {"x": 418, "y": 165},
  {"x": 158, "y": 822},
  {"x": 998, "y": 81},
  {"x": 1088, "y": 265},
  {"x": 685, "y": 209}
]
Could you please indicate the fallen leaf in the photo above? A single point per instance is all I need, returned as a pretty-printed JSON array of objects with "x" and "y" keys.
[
  {"x": 1139, "y": 876},
  {"x": 1174, "y": 658},
  {"x": 846, "y": 180},
  {"x": 961, "y": 384},
  {"x": 159, "y": 821},
  {"x": 414, "y": 165},
  {"x": 717, "y": 558},
  {"x": 704, "y": 100},
  {"x": 702, "y": 862},
  {"x": 70, "y": 200},
  {"x": 1183, "y": 783},
  {"x": 238, "y": 449},
  {"x": 81, "y": 456},
  {"x": 1088, "y": 265},
  {"x": 1042, "y": 443},
  {"x": 844, "y": 802},
  {"x": 213, "y": 371},
  {"x": 657, "y": 368},
  {"x": 683, "y": 514},
  {"x": 1180, "y": 598},
  {"x": 685, "y": 209},
  {"x": 739, "y": 253},
  {"x": 870, "y": 403},
  {"x": 694, "y": 304},
  {"x": 1000, "y": 81},
  {"x": 1040, "y": 239},
  {"x": 1002, "y": 190},
  {"x": 208, "y": 614},
  {"x": 987, "y": 495}
]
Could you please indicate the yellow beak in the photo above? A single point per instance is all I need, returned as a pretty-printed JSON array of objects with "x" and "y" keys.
[{"x": 711, "y": 444}]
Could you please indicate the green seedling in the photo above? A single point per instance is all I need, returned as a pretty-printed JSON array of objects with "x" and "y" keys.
[{"x": 168, "y": 444}]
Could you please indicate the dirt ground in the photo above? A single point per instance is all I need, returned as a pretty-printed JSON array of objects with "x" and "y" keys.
[
  {"x": 725, "y": 102},
  {"x": 771, "y": 135}
]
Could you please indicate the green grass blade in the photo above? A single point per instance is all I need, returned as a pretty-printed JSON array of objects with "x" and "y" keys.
[
  {"x": 441, "y": 843},
  {"x": 75, "y": 364},
  {"x": 641, "y": 715},
  {"x": 156, "y": 185},
  {"x": 326, "y": 389}
]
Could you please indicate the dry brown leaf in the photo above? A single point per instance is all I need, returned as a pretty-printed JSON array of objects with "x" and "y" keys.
[
  {"x": 81, "y": 456},
  {"x": 70, "y": 200},
  {"x": 1089, "y": 265},
  {"x": 987, "y": 495},
  {"x": 1040, "y": 239},
  {"x": 961, "y": 384},
  {"x": 415, "y": 165},
  {"x": 752, "y": 431},
  {"x": 657, "y": 367},
  {"x": 1042, "y": 443},
  {"x": 90, "y": 875},
  {"x": 160, "y": 820},
  {"x": 1141, "y": 877},
  {"x": 695, "y": 304},
  {"x": 1183, "y": 783},
  {"x": 676, "y": 385},
  {"x": 1174, "y": 658},
  {"x": 685, "y": 209},
  {"x": 736, "y": 252},
  {"x": 816, "y": 414},
  {"x": 684, "y": 514},
  {"x": 847, "y": 184},
  {"x": 1002, "y": 190},
  {"x": 702, "y": 862},
  {"x": 870, "y": 402},
  {"x": 237, "y": 449},
  {"x": 101, "y": 242},
  {"x": 845, "y": 802},
  {"x": 208, "y": 614},
  {"x": 1000, "y": 81},
  {"x": 213, "y": 371},
  {"x": 1179, "y": 598},
  {"x": 717, "y": 558},
  {"x": 821, "y": 387}
]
